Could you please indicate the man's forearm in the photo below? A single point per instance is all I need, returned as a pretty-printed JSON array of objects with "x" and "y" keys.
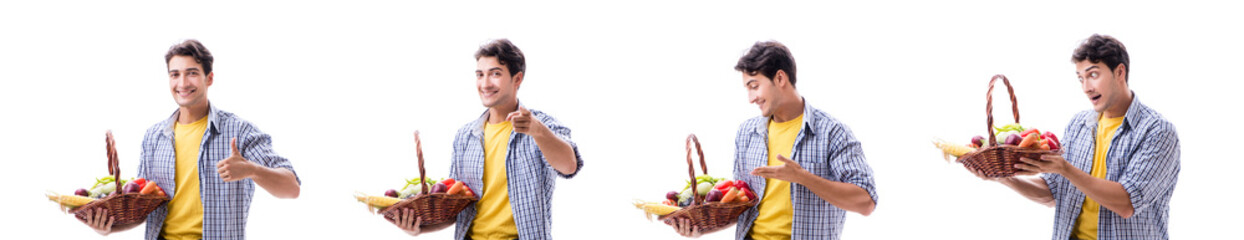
[
  {"x": 559, "y": 153},
  {"x": 279, "y": 182},
  {"x": 1107, "y": 193},
  {"x": 1034, "y": 189},
  {"x": 843, "y": 195}
]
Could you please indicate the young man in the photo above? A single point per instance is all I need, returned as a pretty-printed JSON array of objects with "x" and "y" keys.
[
  {"x": 808, "y": 169},
  {"x": 510, "y": 156},
  {"x": 1120, "y": 161},
  {"x": 207, "y": 160}
]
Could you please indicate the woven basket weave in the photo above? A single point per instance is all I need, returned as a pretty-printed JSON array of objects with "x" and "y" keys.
[
  {"x": 124, "y": 208},
  {"x": 432, "y": 208},
  {"x": 711, "y": 215},
  {"x": 996, "y": 160}
]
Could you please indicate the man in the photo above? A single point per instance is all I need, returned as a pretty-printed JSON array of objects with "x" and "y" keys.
[
  {"x": 804, "y": 196},
  {"x": 1120, "y": 161},
  {"x": 510, "y": 156},
  {"x": 207, "y": 160}
]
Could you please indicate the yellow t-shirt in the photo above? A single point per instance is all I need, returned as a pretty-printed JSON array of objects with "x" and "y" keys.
[
  {"x": 776, "y": 211},
  {"x": 185, "y": 210},
  {"x": 494, "y": 218},
  {"x": 1086, "y": 223}
]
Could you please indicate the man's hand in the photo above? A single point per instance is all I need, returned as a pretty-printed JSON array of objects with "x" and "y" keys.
[
  {"x": 684, "y": 228},
  {"x": 525, "y": 124},
  {"x": 1049, "y": 163},
  {"x": 97, "y": 221},
  {"x": 409, "y": 223},
  {"x": 234, "y": 167},
  {"x": 790, "y": 171}
]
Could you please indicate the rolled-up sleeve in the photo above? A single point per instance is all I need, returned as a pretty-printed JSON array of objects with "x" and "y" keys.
[
  {"x": 257, "y": 146},
  {"x": 848, "y": 163},
  {"x": 1153, "y": 169},
  {"x": 562, "y": 132}
]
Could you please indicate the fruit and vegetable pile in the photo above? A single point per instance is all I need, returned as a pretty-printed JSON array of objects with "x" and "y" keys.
[
  {"x": 1009, "y": 135},
  {"x": 103, "y": 188},
  {"x": 411, "y": 190},
  {"x": 710, "y": 190}
]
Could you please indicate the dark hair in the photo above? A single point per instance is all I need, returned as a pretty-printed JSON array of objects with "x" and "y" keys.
[
  {"x": 1103, "y": 49},
  {"x": 766, "y": 58},
  {"x": 505, "y": 52},
  {"x": 194, "y": 49}
]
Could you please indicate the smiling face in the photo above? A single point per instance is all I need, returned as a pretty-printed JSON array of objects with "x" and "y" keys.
[
  {"x": 496, "y": 87},
  {"x": 1106, "y": 90},
  {"x": 763, "y": 92},
  {"x": 187, "y": 81}
]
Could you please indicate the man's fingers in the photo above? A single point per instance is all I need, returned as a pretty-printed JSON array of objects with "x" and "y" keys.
[
  {"x": 108, "y": 225},
  {"x": 524, "y": 111},
  {"x": 783, "y": 158},
  {"x": 1051, "y": 157},
  {"x": 1027, "y": 167},
  {"x": 234, "y": 143},
  {"x": 512, "y": 115}
]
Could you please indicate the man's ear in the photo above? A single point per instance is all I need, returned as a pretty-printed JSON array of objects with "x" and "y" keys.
[
  {"x": 780, "y": 79},
  {"x": 1121, "y": 72},
  {"x": 210, "y": 76},
  {"x": 518, "y": 80}
]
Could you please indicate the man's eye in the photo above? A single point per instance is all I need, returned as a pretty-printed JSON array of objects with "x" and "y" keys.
[{"x": 1093, "y": 74}]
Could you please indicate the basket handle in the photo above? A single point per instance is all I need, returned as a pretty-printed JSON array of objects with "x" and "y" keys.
[
  {"x": 113, "y": 165},
  {"x": 423, "y": 180},
  {"x": 989, "y": 106},
  {"x": 691, "y": 166}
]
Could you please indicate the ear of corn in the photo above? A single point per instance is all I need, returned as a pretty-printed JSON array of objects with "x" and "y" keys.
[
  {"x": 69, "y": 201},
  {"x": 951, "y": 149},
  {"x": 654, "y": 208},
  {"x": 375, "y": 202}
]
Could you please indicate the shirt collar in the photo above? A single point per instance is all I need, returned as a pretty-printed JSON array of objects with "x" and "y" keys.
[
  {"x": 477, "y": 127},
  {"x": 1130, "y": 118},
  {"x": 808, "y": 117},
  {"x": 213, "y": 120}
]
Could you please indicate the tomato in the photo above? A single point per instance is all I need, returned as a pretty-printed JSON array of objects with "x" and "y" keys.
[
  {"x": 448, "y": 181},
  {"x": 140, "y": 182},
  {"x": 724, "y": 185},
  {"x": 1030, "y": 131}
]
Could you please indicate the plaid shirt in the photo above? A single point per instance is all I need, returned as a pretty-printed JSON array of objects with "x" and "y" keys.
[
  {"x": 225, "y": 204},
  {"x": 530, "y": 182},
  {"x": 1143, "y": 157},
  {"x": 824, "y": 147}
]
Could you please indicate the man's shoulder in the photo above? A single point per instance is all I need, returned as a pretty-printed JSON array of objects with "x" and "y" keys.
[
  {"x": 1147, "y": 118},
  {"x": 229, "y": 121}
]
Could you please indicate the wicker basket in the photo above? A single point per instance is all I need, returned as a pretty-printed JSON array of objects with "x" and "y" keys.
[
  {"x": 999, "y": 160},
  {"x": 712, "y": 215},
  {"x": 125, "y": 208},
  {"x": 434, "y": 208}
]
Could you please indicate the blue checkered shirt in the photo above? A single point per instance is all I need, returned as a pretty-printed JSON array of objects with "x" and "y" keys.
[
  {"x": 530, "y": 179},
  {"x": 824, "y": 147},
  {"x": 225, "y": 204},
  {"x": 1143, "y": 157}
]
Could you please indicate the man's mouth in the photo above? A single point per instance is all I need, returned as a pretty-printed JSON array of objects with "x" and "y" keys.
[
  {"x": 185, "y": 93},
  {"x": 488, "y": 93}
]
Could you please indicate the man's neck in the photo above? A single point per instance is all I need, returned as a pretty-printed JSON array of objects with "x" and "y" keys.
[
  {"x": 1118, "y": 110},
  {"x": 497, "y": 114},
  {"x": 189, "y": 114},
  {"x": 789, "y": 110}
]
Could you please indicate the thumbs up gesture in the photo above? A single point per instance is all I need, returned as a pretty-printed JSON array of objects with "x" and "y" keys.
[
  {"x": 789, "y": 171},
  {"x": 234, "y": 167},
  {"x": 526, "y": 124}
]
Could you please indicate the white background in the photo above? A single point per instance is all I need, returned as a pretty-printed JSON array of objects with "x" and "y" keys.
[{"x": 340, "y": 87}]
